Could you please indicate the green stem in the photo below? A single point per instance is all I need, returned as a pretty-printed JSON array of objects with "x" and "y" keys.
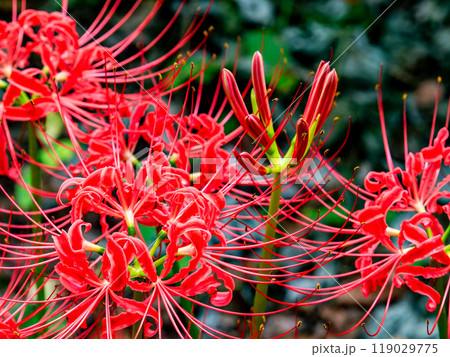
[
  {"x": 446, "y": 234},
  {"x": 35, "y": 170},
  {"x": 260, "y": 300},
  {"x": 137, "y": 295},
  {"x": 160, "y": 261},
  {"x": 443, "y": 319},
  {"x": 159, "y": 239}
]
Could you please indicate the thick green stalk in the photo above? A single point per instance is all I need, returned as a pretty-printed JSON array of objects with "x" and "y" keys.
[
  {"x": 446, "y": 234},
  {"x": 443, "y": 319},
  {"x": 137, "y": 295},
  {"x": 35, "y": 170},
  {"x": 260, "y": 300}
]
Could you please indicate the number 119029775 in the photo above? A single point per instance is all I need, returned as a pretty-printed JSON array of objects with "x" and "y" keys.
[{"x": 406, "y": 348}]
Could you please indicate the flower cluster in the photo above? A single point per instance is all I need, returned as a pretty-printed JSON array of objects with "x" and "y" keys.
[
  {"x": 400, "y": 237},
  {"x": 414, "y": 254},
  {"x": 124, "y": 217},
  {"x": 138, "y": 220}
]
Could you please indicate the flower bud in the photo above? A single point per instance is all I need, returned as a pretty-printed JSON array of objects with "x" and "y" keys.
[
  {"x": 321, "y": 98},
  {"x": 234, "y": 96},
  {"x": 259, "y": 86},
  {"x": 301, "y": 143},
  {"x": 251, "y": 165},
  {"x": 256, "y": 130}
]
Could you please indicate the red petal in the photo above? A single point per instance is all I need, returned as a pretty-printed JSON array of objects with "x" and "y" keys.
[
  {"x": 115, "y": 265},
  {"x": 28, "y": 83},
  {"x": 423, "y": 250},
  {"x": 423, "y": 289}
]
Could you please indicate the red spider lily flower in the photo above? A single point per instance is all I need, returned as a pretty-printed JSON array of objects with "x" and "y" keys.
[
  {"x": 199, "y": 136},
  {"x": 73, "y": 268},
  {"x": 115, "y": 143},
  {"x": 77, "y": 276},
  {"x": 74, "y": 78},
  {"x": 190, "y": 203},
  {"x": 78, "y": 64},
  {"x": 137, "y": 199},
  {"x": 185, "y": 240},
  {"x": 157, "y": 195},
  {"x": 54, "y": 38},
  {"x": 415, "y": 252},
  {"x": 419, "y": 181},
  {"x": 414, "y": 189},
  {"x": 421, "y": 247}
]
